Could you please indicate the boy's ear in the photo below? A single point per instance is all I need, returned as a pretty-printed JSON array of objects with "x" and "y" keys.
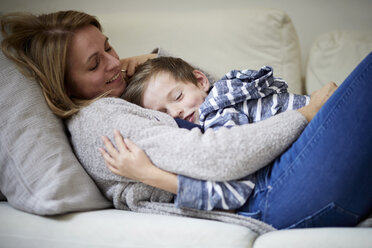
[{"x": 202, "y": 80}]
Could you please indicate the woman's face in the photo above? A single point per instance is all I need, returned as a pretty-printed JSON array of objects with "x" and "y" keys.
[{"x": 93, "y": 66}]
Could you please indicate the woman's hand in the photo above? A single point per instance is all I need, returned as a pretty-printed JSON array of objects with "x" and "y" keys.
[
  {"x": 317, "y": 100},
  {"x": 130, "y": 161},
  {"x": 130, "y": 64}
]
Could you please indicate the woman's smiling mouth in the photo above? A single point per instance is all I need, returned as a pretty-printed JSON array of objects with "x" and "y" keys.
[{"x": 114, "y": 78}]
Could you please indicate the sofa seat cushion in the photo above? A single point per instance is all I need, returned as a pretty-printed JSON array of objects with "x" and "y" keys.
[
  {"x": 116, "y": 228},
  {"x": 317, "y": 237}
]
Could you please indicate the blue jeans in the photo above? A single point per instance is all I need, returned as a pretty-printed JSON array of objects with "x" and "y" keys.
[{"x": 325, "y": 177}]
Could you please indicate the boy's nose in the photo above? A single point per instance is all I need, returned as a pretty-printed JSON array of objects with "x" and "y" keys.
[{"x": 175, "y": 112}]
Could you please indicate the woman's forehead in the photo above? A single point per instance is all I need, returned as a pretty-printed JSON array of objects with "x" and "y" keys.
[{"x": 86, "y": 42}]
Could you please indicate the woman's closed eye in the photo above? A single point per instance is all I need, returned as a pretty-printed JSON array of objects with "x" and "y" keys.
[
  {"x": 108, "y": 49},
  {"x": 95, "y": 65}
]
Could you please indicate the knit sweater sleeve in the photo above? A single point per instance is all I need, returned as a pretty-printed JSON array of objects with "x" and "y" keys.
[{"x": 223, "y": 155}]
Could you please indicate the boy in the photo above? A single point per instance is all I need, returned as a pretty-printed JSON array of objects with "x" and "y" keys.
[{"x": 173, "y": 86}]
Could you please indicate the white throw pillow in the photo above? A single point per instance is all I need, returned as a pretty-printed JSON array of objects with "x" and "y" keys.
[
  {"x": 38, "y": 171},
  {"x": 334, "y": 55}
]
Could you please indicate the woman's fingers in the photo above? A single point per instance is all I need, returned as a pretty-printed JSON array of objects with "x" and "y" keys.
[
  {"x": 124, "y": 63},
  {"x": 129, "y": 65},
  {"x": 131, "y": 69}
]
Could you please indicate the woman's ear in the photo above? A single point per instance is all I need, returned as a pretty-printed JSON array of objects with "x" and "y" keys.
[{"x": 202, "y": 80}]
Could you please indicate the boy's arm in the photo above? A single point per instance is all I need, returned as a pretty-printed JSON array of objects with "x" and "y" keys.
[
  {"x": 290, "y": 101},
  {"x": 227, "y": 117},
  {"x": 208, "y": 195},
  {"x": 245, "y": 149},
  {"x": 128, "y": 160},
  {"x": 254, "y": 110},
  {"x": 237, "y": 88}
]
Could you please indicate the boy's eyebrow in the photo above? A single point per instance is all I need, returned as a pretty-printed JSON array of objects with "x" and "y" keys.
[{"x": 169, "y": 95}]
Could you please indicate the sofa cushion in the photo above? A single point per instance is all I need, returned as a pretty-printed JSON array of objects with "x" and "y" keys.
[
  {"x": 216, "y": 40},
  {"x": 39, "y": 172},
  {"x": 117, "y": 228},
  {"x": 316, "y": 237},
  {"x": 334, "y": 55},
  {"x": 2, "y": 197}
]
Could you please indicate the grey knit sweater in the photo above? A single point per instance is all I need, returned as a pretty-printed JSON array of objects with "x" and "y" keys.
[{"x": 224, "y": 155}]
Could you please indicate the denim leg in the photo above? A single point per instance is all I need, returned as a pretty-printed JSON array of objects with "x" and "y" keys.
[{"x": 325, "y": 177}]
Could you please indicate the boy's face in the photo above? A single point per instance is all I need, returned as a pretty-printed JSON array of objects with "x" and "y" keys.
[{"x": 176, "y": 98}]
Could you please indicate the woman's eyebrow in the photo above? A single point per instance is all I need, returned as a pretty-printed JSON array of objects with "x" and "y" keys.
[{"x": 95, "y": 54}]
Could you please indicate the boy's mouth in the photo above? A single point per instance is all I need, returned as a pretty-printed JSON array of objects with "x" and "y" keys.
[{"x": 190, "y": 117}]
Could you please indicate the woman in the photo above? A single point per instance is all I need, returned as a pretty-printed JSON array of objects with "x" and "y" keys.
[{"x": 72, "y": 60}]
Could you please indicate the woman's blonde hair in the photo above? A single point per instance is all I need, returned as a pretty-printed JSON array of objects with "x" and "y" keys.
[
  {"x": 39, "y": 45},
  {"x": 137, "y": 84}
]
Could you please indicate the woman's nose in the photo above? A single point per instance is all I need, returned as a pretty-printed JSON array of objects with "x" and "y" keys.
[{"x": 112, "y": 62}]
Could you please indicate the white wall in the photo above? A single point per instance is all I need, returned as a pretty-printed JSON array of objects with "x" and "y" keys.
[{"x": 310, "y": 17}]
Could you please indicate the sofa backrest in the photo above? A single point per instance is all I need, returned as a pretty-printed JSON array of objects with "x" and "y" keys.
[{"x": 215, "y": 40}]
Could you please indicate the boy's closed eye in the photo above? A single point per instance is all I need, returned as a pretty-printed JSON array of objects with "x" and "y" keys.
[{"x": 179, "y": 96}]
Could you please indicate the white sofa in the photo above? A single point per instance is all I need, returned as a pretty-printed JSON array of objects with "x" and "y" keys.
[{"x": 215, "y": 40}]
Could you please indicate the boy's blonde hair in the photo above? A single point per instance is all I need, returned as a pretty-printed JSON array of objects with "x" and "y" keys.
[
  {"x": 39, "y": 46},
  {"x": 177, "y": 68}
]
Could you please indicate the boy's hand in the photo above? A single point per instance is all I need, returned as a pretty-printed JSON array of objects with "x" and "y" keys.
[
  {"x": 317, "y": 100},
  {"x": 132, "y": 162},
  {"x": 128, "y": 161}
]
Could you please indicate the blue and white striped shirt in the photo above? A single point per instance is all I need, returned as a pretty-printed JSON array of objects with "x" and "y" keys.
[
  {"x": 240, "y": 97},
  {"x": 247, "y": 96}
]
